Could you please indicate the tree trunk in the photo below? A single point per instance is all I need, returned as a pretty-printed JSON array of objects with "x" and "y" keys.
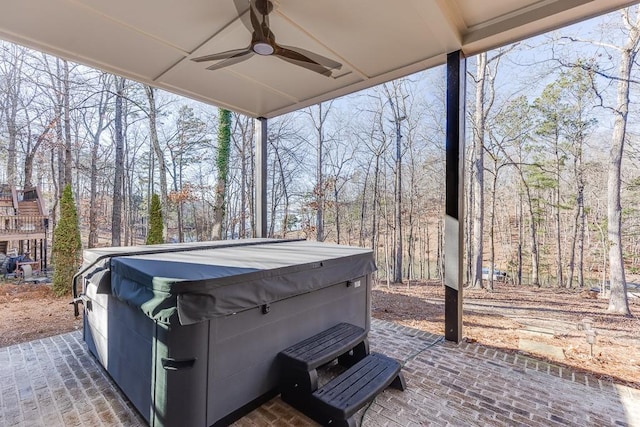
[
  {"x": 246, "y": 136},
  {"x": 427, "y": 249},
  {"x": 492, "y": 227},
  {"x": 396, "y": 96},
  {"x": 410, "y": 238},
  {"x": 12, "y": 129},
  {"x": 319, "y": 178},
  {"x": 468, "y": 223},
  {"x": 520, "y": 239},
  {"x": 363, "y": 207},
  {"x": 558, "y": 204},
  {"x": 479, "y": 118},
  {"x": 533, "y": 235},
  {"x": 155, "y": 143},
  {"x": 59, "y": 105},
  {"x": 243, "y": 189},
  {"x": 285, "y": 195},
  {"x": 581, "y": 240},
  {"x": 102, "y": 124},
  {"x": 618, "y": 302},
  {"x": 252, "y": 181},
  {"x": 337, "y": 208},
  {"x": 397, "y": 278},
  {"x": 93, "y": 206},
  {"x": 577, "y": 241},
  {"x": 30, "y": 155},
  {"x": 222, "y": 166},
  {"x": 68, "y": 159},
  {"x": 116, "y": 214},
  {"x": 572, "y": 249},
  {"x": 375, "y": 205},
  {"x": 180, "y": 202}
]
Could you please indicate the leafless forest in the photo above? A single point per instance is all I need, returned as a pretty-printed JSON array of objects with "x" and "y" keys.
[{"x": 552, "y": 182}]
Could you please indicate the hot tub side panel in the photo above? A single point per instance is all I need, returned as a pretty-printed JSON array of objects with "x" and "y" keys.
[
  {"x": 181, "y": 360},
  {"x": 244, "y": 346},
  {"x": 161, "y": 369},
  {"x": 121, "y": 338}
]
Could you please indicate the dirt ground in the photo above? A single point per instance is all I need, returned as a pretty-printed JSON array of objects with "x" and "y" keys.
[
  {"x": 544, "y": 323},
  {"x": 29, "y": 312}
]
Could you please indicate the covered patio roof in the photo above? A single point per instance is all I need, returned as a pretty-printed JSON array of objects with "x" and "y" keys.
[{"x": 153, "y": 41}]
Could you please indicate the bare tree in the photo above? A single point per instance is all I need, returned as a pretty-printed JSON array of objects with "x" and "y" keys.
[
  {"x": 397, "y": 94},
  {"x": 479, "y": 122},
  {"x": 484, "y": 99},
  {"x": 95, "y": 127},
  {"x": 618, "y": 302},
  {"x": 12, "y": 64},
  {"x": 155, "y": 144},
  {"x": 66, "y": 102},
  {"x": 242, "y": 140},
  {"x": 116, "y": 214},
  {"x": 319, "y": 123}
]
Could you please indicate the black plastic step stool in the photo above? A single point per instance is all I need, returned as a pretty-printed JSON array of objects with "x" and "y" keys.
[{"x": 336, "y": 402}]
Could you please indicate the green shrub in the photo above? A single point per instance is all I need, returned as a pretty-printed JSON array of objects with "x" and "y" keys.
[
  {"x": 67, "y": 246},
  {"x": 155, "y": 222}
]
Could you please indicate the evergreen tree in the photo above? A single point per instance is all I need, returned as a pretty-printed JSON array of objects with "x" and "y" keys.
[
  {"x": 155, "y": 222},
  {"x": 67, "y": 245}
]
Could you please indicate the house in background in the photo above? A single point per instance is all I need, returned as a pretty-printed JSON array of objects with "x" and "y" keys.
[{"x": 23, "y": 223}]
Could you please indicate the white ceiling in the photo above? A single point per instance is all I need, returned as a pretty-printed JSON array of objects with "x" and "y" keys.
[{"x": 152, "y": 41}]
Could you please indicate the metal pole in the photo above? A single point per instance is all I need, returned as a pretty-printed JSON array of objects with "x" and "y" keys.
[
  {"x": 261, "y": 177},
  {"x": 454, "y": 203}
]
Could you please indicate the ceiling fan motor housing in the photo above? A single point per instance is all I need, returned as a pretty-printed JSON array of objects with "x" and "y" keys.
[{"x": 265, "y": 7}]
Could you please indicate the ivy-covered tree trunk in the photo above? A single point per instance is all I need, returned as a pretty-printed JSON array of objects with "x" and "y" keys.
[
  {"x": 67, "y": 245},
  {"x": 222, "y": 164},
  {"x": 154, "y": 235}
]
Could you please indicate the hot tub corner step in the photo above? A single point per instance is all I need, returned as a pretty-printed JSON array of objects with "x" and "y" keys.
[
  {"x": 337, "y": 401},
  {"x": 323, "y": 347}
]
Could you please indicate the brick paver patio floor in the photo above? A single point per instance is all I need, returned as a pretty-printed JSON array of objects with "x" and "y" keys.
[{"x": 55, "y": 382}]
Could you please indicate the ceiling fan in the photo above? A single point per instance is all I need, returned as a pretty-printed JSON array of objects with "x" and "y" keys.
[{"x": 263, "y": 42}]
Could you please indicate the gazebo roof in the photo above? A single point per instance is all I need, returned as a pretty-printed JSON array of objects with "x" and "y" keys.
[{"x": 153, "y": 41}]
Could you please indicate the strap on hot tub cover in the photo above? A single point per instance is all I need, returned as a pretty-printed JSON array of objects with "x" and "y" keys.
[{"x": 190, "y": 287}]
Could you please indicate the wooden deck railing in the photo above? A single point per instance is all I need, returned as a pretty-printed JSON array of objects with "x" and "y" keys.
[
  {"x": 21, "y": 224},
  {"x": 5, "y": 194}
]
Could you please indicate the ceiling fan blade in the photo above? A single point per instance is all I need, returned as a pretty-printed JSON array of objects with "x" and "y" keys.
[
  {"x": 231, "y": 61},
  {"x": 243, "y": 7},
  {"x": 251, "y": 17},
  {"x": 317, "y": 68},
  {"x": 316, "y": 57},
  {"x": 301, "y": 60},
  {"x": 222, "y": 55},
  {"x": 255, "y": 21}
]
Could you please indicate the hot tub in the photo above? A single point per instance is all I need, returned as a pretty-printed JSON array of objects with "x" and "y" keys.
[{"x": 190, "y": 332}]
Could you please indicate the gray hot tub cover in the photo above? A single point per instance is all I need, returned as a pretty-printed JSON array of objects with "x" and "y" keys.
[{"x": 191, "y": 286}]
